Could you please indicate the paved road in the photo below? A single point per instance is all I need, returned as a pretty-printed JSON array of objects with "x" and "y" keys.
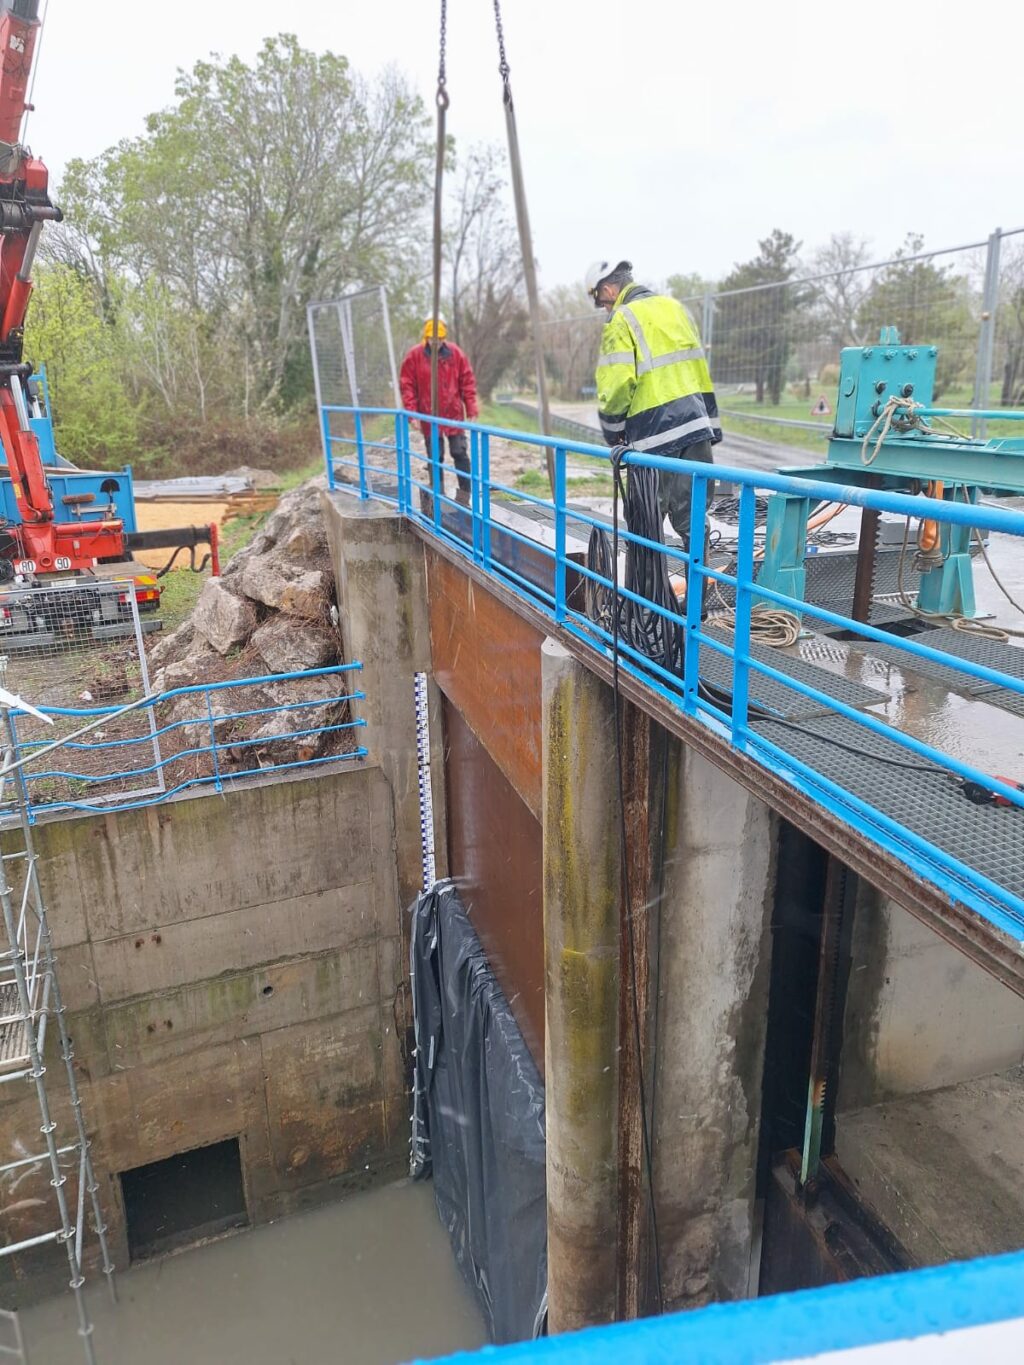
[{"x": 742, "y": 452}]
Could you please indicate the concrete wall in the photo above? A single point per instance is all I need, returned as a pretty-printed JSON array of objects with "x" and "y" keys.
[
  {"x": 714, "y": 959},
  {"x": 230, "y": 966},
  {"x": 382, "y": 600},
  {"x": 919, "y": 1014}
]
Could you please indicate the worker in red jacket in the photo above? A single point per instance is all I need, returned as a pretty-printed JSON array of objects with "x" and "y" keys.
[{"x": 456, "y": 396}]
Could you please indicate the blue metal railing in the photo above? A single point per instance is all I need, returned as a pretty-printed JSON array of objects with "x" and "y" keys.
[
  {"x": 50, "y": 783},
  {"x": 412, "y": 481}
]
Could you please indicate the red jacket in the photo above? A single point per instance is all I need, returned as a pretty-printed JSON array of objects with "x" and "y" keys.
[{"x": 456, "y": 385}]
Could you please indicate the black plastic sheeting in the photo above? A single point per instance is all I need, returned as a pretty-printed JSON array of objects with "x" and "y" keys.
[{"x": 478, "y": 1118}]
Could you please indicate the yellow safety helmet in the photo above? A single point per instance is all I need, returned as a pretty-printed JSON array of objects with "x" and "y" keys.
[{"x": 428, "y": 328}]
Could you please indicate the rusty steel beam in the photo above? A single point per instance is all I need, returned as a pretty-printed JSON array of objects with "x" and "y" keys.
[
  {"x": 993, "y": 951},
  {"x": 635, "y": 939}
]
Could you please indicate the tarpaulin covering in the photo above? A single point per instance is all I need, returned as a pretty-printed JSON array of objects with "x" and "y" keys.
[{"x": 478, "y": 1118}]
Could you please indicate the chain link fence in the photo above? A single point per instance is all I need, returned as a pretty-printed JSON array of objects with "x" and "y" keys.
[
  {"x": 354, "y": 366},
  {"x": 76, "y": 646},
  {"x": 774, "y": 348}
]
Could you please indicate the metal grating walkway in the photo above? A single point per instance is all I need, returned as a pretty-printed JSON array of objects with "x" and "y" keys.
[
  {"x": 775, "y": 696},
  {"x": 996, "y": 654},
  {"x": 919, "y": 794}
]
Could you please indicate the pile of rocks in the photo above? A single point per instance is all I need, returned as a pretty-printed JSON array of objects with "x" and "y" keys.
[{"x": 272, "y": 611}]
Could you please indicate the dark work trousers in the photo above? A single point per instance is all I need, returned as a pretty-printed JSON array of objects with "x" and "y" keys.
[
  {"x": 458, "y": 451},
  {"x": 675, "y": 490}
]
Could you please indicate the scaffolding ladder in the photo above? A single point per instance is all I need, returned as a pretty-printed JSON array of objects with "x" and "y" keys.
[{"x": 29, "y": 999}]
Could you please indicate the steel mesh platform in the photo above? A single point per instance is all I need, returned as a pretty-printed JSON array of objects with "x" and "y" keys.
[
  {"x": 996, "y": 654},
  {"x": 920, "y": 795},
  {"x": 716, "y": 670}
]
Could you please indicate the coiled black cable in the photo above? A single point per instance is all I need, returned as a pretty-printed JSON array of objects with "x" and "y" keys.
[{"x": 646, "y": 573}]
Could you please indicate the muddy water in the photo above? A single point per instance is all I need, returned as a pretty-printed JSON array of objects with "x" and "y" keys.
[{"x": 368, "y": 1281}]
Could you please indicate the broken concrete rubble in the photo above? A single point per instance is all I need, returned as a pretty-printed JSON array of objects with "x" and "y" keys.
[
  {"x": 221, "y": 618},
  {"x": 270, "y": 612},
  {"x": 288, "y": 647}
]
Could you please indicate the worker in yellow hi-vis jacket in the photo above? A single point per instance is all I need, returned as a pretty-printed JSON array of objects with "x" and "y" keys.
[{"x": 653, "y": 384}]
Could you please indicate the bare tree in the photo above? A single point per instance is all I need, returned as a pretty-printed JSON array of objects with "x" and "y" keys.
[
  {"x": 484, "y": 267},
  {"x": 840, "y": 297}
]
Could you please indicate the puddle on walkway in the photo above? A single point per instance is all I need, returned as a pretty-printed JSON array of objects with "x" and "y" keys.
[{"x": 367, "y": 1281}]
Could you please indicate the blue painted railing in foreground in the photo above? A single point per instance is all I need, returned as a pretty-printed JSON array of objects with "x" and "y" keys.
[
  {"x": 888, "y": 1310},
  {"x": 55, "y": 767},
  {"x": 423, "y": 500}
]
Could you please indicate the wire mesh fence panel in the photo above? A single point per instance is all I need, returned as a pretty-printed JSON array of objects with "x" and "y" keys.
[
  {"x": 774, "y": 347},
  {"x": 1006, "y": 381},
  {"x": 354, "y": 366},
  {"x": 571, "y": 347},
  {"x": 75, "y": 646}
]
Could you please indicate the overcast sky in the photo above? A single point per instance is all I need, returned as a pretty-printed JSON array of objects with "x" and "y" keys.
[{"x": 646, "y": 132}]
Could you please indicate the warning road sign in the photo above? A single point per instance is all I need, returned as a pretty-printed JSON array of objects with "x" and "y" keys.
[{"x": 821, "y": 408}]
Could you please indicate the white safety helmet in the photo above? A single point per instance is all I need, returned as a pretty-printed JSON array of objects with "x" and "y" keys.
[{"x": 599, "y": 271}]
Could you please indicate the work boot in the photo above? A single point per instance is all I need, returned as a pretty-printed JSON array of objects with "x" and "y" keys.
[
  {"x": 462, "y": 495},
  {"x": 427, "y": 504}
]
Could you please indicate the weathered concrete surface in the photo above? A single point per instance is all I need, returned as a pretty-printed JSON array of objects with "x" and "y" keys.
[
  {"x": 944, "y": 1170},
  {"x": 581, "y": 931},
  {"x": 713, "y": 976},
  {"x": 378, "y": 567},
  {"x": 919, "y": 1014},
  {"x": 231, "y": 966}
]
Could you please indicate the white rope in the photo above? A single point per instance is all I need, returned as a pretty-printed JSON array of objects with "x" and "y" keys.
[
  {"x": 967, "y": 625},
  {"x": 774, "y": 626},
  {"x": 885, "y": 420}
]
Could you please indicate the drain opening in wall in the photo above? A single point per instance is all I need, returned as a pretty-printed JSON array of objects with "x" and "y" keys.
[{"x": 184, "y": 1199}]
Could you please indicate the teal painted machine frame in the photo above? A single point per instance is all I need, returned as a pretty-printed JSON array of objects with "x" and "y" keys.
[{"x": 904, "y": 455}]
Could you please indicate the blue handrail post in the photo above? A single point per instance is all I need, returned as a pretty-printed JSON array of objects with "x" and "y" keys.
[
  {"x": 400, "y": 463},
  {"x": 485, "y": 497},
  {"x": 744, "y": 604},
  {"x": 361, "y": 454},
  {"x": 436, "y": 482},
  {"x": 474, "y": 489},
  {"x": 694, "y": 594},
  {"x": 325, "y": 421},
  {"x": 213, "y": 744},
  {"x": 402, "y": 444},
  {"x": 560, "y": 462}
]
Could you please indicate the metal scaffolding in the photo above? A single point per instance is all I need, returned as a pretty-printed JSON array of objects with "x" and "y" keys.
[{"x": 30, "y": 998}]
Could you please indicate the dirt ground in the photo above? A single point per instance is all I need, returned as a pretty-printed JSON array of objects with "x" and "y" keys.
[{"x": 159, "y": 515}]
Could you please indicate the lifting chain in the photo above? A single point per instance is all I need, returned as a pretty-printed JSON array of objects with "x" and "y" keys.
[
  {"x": 503, "y": 66},
  {"x": 442, "y": 108},
  {"x": 442, "y": 93}
]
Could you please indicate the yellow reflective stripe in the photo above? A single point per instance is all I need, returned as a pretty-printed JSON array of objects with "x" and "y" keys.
[
  {"x": 673, "y": 358},
  {"x": 673, "y": 434},
  {"x": 616, "y": 358},
  {"x": 638, "y": 333}
]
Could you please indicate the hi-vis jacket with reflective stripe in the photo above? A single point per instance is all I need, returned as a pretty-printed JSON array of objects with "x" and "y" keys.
[{"x": 653, "y": 384}]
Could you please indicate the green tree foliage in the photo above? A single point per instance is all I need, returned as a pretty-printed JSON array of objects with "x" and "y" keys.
[
  {"x": 929, "y": 304},
  {"x": 263, "y": 187},
  {"x": 1010, "y": 327},
  {"x": 96, "y": 415},
  {"x": 755, "y": 332}
]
